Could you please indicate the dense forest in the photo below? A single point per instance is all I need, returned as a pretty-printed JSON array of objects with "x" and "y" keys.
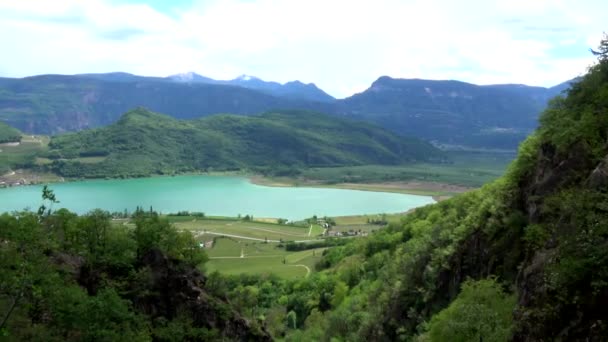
[
  {"x": 524, "y": 258},
  {"x": 143, "y": 143}
]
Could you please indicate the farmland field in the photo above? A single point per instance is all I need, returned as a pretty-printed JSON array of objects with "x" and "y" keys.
[
  {"x": 251, "y": 230},
  {"x": 246, "y": 251},
  {"x": 233, "y": 256},
  {"x": 23, "y": 154}
]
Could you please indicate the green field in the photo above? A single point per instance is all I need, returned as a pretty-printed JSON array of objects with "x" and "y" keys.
[
  {"x": 234, "y": 256},
  {"x": 250, "y": 230},
  {"x": 23, "y": 154},
  {"x": 363, "y": 219},
  {"x": 246, "y": 251}
]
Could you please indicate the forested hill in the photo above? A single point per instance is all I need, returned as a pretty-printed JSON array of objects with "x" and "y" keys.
[
  {"x": 143, "y": 143},
  {"x": 8, "y": 133}
]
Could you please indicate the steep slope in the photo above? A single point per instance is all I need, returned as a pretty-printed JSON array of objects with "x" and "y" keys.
[
  {"x": 83, "y": 278},
  {"x": 143, "y": 143},
  {"x": 451, "y": 112},
  {"x": 522, "y": 259},
  {"x": 9, "y": 134}
]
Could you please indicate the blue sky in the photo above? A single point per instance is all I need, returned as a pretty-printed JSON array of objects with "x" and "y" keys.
[{"x": 340, "y": 45}]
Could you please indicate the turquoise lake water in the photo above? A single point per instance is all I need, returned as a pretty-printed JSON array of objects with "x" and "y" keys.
[{"x": 213, "y": 195}]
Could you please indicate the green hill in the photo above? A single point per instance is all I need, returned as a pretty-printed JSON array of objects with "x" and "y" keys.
[
  {"x": 143, "y": 143},
  {"x": 9, "y": 134}
]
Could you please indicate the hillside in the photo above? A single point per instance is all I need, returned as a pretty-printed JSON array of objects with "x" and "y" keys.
[
  {"x": 143, "y": 143},
  {"x": 448, "y": 112},
  {"x": 9, "y": 134},
  {"x": 452, "y": 112},
  {"x": 52, "y": 104},
  {"x": 522, "y": 259}
]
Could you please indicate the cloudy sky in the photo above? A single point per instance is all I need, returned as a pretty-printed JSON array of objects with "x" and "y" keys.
[{"x": 340, "y": 45}]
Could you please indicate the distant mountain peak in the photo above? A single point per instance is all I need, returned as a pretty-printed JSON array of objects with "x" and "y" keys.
[
  {"x": 189, "y": 77},
  {"x": 247, "y": 78}
]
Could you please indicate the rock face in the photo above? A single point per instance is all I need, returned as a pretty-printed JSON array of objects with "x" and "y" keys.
[
  {"x": 174, "y": 288},
  {"x": 569, "y": 318},
  {"x": 599, "y": 176}
]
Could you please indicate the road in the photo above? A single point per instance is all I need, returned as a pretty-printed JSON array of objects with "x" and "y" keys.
[
  {"x": 306, "y": 267},
  {"x": 250, "y": 238}
]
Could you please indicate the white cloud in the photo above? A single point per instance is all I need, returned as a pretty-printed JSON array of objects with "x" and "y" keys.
[{"x": 340, "y": 45}]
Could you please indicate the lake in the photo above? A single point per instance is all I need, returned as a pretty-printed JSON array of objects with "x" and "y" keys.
[{"x": 213, "y": 195}]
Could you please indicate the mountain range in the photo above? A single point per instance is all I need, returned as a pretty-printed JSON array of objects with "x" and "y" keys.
[
  {"x": 293, "y": 89},
  {"x": 449, "y": 113}
]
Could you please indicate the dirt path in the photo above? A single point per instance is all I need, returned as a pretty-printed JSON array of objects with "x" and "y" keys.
[
  {"x": 247, "y": 257},
  {"x": 276, "y": 232},
  {"x": 238, "y": 236},
  {"x": 306, "y": 267},
  {"x": 248, "y": 238}
]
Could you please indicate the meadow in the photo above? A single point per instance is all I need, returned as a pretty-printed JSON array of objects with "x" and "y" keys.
[
  {"x": 255, "y": 247},
  {"x": 22, "y": 154}
]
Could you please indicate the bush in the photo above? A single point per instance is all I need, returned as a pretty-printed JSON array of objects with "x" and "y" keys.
[{"x": 481, "y": 312}]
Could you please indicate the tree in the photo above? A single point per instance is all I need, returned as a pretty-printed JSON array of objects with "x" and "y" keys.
[
  {"x": 291, "y": 319},
  {"x": 481, "y": 312},
  {"x": 48, "y": 197},
  {"x": 94, "y": 228},
  {"x": 602, "y": 50}
]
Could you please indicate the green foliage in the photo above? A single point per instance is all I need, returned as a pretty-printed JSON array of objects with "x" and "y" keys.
[
  {"x": 540, "y": 229},
  {"x": 104, "y": 317},
  {"x": 182, "y": 328},
  {"x": 143, "y": 143},
  {"x": 463, "y": 168},
  {"x": 481, "y": 312},
  {"x": 9, "y": 134},
  {"x": 153, "y": 232},
  {"x": 75, "y": 278}
]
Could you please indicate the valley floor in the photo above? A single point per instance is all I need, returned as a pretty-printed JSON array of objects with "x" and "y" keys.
[{"x": 439, "y": 191}]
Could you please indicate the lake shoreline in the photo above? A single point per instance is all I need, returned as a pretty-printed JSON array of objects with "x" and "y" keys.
[
  {"x": 228, "y": 195},
  {"x": 438, "y": 191}
]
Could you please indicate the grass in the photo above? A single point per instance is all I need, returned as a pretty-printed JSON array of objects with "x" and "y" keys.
[
  {"x": 259, "y": 266},
  {"x": 255, "y": 230},
  {"x": 363, "y": 219},
  {"x": 23, "y": 154},
  {"x": 89, "y": 160},
  {"x": 316, "y": 230},
  {"x": 259, "y": 258}
]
